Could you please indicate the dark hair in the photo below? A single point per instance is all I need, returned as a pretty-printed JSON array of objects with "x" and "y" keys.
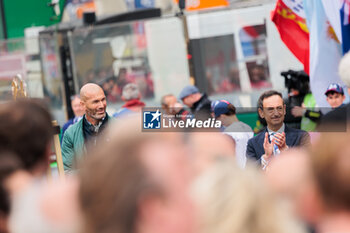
[
  {"x": 26, "y": 130},
  {"x": 231, "y": 110},
  {"x": 331, "y": 169},
  {"x": 113, "y": 179},
  {"x": 267, "y": 94},
  {"x": 333, "y": 92},
  {"x": 9, "y": 163}
]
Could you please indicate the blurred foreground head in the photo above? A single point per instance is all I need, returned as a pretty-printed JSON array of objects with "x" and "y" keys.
[
  {"x": 331, "y": 166},
  {"x": 25, "y": 140},
  {"x": 26, "y": 130},
  {"x": 207, "y": 148},
  {"x": 291, "y": 178},
  {"x": 232, "y": 200},
  {"x": 136, "y": 183},
  {"x": 9, "y": 164}
]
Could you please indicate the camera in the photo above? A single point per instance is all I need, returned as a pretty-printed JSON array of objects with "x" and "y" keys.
[{"x": 296, "y": 81}]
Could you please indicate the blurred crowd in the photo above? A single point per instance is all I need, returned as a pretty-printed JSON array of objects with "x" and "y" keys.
[{"x": 122, "y": 179}]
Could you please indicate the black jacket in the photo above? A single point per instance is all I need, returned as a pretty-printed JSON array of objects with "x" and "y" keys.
[
  {"x": 336, "y": 120},
  {"x": 201, "y": 109}
]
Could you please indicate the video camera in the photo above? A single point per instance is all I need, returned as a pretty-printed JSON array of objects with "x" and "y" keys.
[
  {"x": 297, "y": 83},
  {"x": 297, "y": 80}
]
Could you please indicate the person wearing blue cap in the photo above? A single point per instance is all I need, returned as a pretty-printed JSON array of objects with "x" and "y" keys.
[
  {"x": 339, "y": 116},
  {"x": 335, "y": 95},
  {"x": 199, "y": 103},
  {"x": 225, "y": 112}
]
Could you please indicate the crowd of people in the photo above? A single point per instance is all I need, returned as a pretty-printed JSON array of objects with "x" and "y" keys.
[{"x": 122, "y": 179}]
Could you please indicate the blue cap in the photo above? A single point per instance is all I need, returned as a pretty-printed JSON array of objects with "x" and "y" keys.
[
  {"x": 221, "y": 108},
  {"x": 213, "y": 104},
  {"x": 336, "y": 88},
  {"x": 188, "y": 90}
]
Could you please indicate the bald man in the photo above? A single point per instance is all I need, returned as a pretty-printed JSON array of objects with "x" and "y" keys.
[{"x": 85, "y": 131}]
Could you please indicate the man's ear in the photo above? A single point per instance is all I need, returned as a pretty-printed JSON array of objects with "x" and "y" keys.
[
  {"x": 82, "y": 103},
  {"x": 261, "y": 113},
  {"x": 284, "y": 109}
]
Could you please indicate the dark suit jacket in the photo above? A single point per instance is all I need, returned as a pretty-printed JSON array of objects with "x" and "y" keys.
[
  {"x": 336, "y": 120},
  {"x": 294, "y": 137}
]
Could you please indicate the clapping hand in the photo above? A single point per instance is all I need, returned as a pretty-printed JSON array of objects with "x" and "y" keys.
[{"x": 280, "y": 141}]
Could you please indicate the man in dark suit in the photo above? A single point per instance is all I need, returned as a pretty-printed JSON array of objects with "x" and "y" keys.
[{"x": 276, "y": 137}]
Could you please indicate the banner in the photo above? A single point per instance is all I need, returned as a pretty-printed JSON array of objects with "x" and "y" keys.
[
  {"x": 11, "y": 65},
  {"x": 76, "y": 8},
  {"x": 194, "y": 5},
  {"x": 141, "y": 4},
  {"x": 325, "y": 51},
  {"x": 289, "y": 18}
]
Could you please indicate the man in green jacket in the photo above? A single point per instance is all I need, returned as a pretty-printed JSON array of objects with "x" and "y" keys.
[{"x": 88, "y": 128}]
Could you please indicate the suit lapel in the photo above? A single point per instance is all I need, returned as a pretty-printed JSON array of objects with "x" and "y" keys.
[
  {"x": 261, "y": 142},
  {"x": 290, "y": 138}
]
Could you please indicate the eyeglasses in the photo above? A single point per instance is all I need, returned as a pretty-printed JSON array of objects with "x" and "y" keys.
[{"x": 271, "y": 110}]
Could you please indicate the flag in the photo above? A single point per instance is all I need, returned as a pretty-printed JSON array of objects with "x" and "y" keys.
[
  {"x": 345, "y": 25},
  {"x": 289, "y": 19},
  {"x": 325, "y": 51},
  {"x": 332, "y": 10},
  {"x": 338, "y": 13}
]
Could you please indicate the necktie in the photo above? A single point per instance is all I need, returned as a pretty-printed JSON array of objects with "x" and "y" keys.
[{"x": 276, "y": 150}]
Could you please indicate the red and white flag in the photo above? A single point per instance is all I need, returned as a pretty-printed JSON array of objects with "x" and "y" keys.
[{"x": 289, "y": 18}]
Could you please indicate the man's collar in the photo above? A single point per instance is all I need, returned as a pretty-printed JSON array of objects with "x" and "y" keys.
[
  {"x": 197, "y": 102},
  {"x": 99, "y": 124},
  {"x": 78, "y": 118},
  {"x": 340, "y": 106},
  {"x": 280, "y": 130},
  {"x": 95, "y": 128}
]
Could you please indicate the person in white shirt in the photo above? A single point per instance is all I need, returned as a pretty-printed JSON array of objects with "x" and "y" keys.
[{"x": 225, "y": 112}]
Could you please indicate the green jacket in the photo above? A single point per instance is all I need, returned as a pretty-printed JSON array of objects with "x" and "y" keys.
[{"x": 73, "y": 145}]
